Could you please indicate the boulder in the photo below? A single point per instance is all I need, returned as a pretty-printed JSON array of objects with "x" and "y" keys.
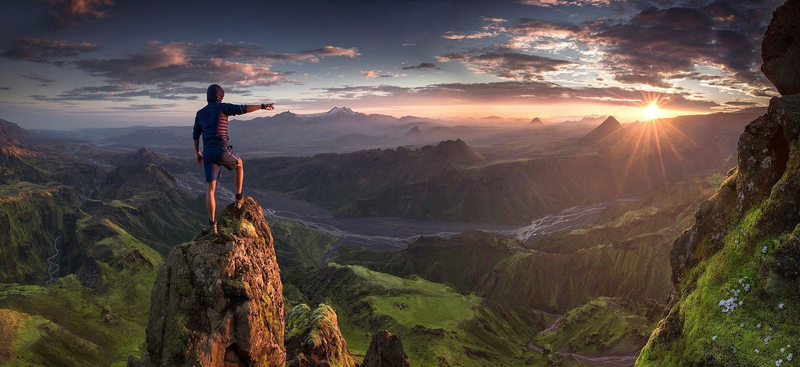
[
  {"x": 385, "y": 350},
  {"x": 313, "y": 338},
  {"x": 780, "y": 49}
]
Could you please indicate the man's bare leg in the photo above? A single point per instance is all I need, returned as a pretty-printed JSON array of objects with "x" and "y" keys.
[
  {"x": 238, "y": 182},
  {"x": 211, "y": 204},
  {"x": 239, "y": 177}
]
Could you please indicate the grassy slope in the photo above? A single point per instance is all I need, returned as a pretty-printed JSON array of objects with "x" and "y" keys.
[
  {"x": 436, "y": 323},
  {"x": 602, "y": 326},
  {"x": 719, "y": 338}
]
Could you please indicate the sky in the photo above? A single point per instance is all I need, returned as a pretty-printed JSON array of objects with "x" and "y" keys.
[{"x": 68, "y": 64}]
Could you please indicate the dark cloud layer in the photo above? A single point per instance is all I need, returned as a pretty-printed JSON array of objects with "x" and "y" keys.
[
  {"x": 657, "y": 45},
  {"x": 43, "y": 50},
  {"x": 507, "y": 64},
  {"x": 43, "y": 80},
  {"x": 421, "y": 66},
  {"x": 178, "y": 62}
]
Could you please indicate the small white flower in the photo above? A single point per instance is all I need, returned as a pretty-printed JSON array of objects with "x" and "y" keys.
[
  {"x": 741, "y": 302},
  {"x": 767, "y": 339},
  {"x": 714, "y": 338},
  {"x": 789, "y": 357},
  {"x": 764, "y": 250},
  {"x": 783, "y": 350},
  {"x": 778, "y": 362},
  {"x": 758, "y": 326},
  {"x": 741, "y": 325},
  {"x": 780, "y": 305},
  {"x": 756, "y": 351}
]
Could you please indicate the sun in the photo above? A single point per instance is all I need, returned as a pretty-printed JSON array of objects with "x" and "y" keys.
[{"x": 651, "y": 111}]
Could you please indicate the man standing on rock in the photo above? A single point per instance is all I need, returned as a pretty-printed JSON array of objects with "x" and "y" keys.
[{"x": 212, "y": 122}]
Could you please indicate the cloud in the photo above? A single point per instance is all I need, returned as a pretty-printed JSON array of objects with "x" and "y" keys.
[
  {"x": 510, "y": 92},
  {"x": 139, "y": 107},
  {"x": 127, "y": 93},
  {"x": 376, "y": 74},
  {"x": 716, "y": 42},
  {"x": 43, "y": 81},
  {"x": 5, "y": 88},
  {"x": 506, "y": 64},
  {"x": 657, "y": 45},
  {"x": 217, "y": 62},
  {"x": 409, "y": 44},
  {"x": 421, "y": 66},
  {"x": 332, "y": 51},
  {"x": 549, "y": 3},
  {"x": 43, "y": 50},
  {"x": 69, "y": 12},
  {"x": 492, "y": 27}
]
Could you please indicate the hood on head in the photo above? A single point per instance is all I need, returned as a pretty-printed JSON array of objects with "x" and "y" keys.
[{"x": 214, "y": 93}]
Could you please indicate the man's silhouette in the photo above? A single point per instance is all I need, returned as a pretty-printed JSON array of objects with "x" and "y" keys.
[{"x": 211, "y": 121}]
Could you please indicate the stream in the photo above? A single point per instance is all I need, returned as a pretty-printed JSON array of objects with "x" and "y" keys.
[{"x": 52, "y": 266}]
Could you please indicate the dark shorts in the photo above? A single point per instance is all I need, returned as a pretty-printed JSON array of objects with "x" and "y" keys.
[{"x": 215, "y": 157}]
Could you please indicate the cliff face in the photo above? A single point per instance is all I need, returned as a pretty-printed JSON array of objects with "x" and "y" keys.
[
  {"x": 217, "y": 300},
  {"x": 735, "y": 299}
]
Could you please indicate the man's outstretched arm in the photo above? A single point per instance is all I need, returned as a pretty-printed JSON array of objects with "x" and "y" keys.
[
  {"x": 254, "y": 107},
  {"x": 239, "y": 109}
]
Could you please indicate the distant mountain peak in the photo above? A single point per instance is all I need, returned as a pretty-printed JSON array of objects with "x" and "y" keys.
[
  {"x": 536, "y": 122},
  {"x": 340, "y": 110},
  {"x": 611, "y": 121},
  {"x": 414, "y": 132},
  {"x": 456, "y": 151},
  {"x": 608, "y": 127}
]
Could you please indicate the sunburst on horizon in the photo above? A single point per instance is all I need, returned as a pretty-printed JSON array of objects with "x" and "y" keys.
[{"x": 652, "y": 111}]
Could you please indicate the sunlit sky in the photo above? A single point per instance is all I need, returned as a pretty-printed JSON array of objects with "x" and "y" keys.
[{"x": 111, "y": 63}]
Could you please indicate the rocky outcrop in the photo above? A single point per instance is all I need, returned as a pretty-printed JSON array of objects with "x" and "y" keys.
[
  {"x": 780, "y": 49},
  {"x": 385, "y": 350},
  {"x": 217, "y": 300},
  {"x": 313, "y": 338}
]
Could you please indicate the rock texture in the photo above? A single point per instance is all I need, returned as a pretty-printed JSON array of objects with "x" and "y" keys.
[
  {"x": 313, "y": 338},
  {"x": 780, "y": 49},
  {"x": 217, "y": 300},
  {"x": 385, "y": 350}
]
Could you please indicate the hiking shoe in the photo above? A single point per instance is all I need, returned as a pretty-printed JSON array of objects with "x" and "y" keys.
[
  {"x": 212, "y": 226},
  {"x": 239, "y": 201}
]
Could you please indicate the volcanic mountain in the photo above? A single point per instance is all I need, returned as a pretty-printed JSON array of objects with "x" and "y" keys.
[
  {"x": 608, "y": 127},
  {"x": 536, "y": 122}
]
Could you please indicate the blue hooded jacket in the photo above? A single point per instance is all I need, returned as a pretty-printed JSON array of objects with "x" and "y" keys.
[{"x": 212, "y": 120}]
